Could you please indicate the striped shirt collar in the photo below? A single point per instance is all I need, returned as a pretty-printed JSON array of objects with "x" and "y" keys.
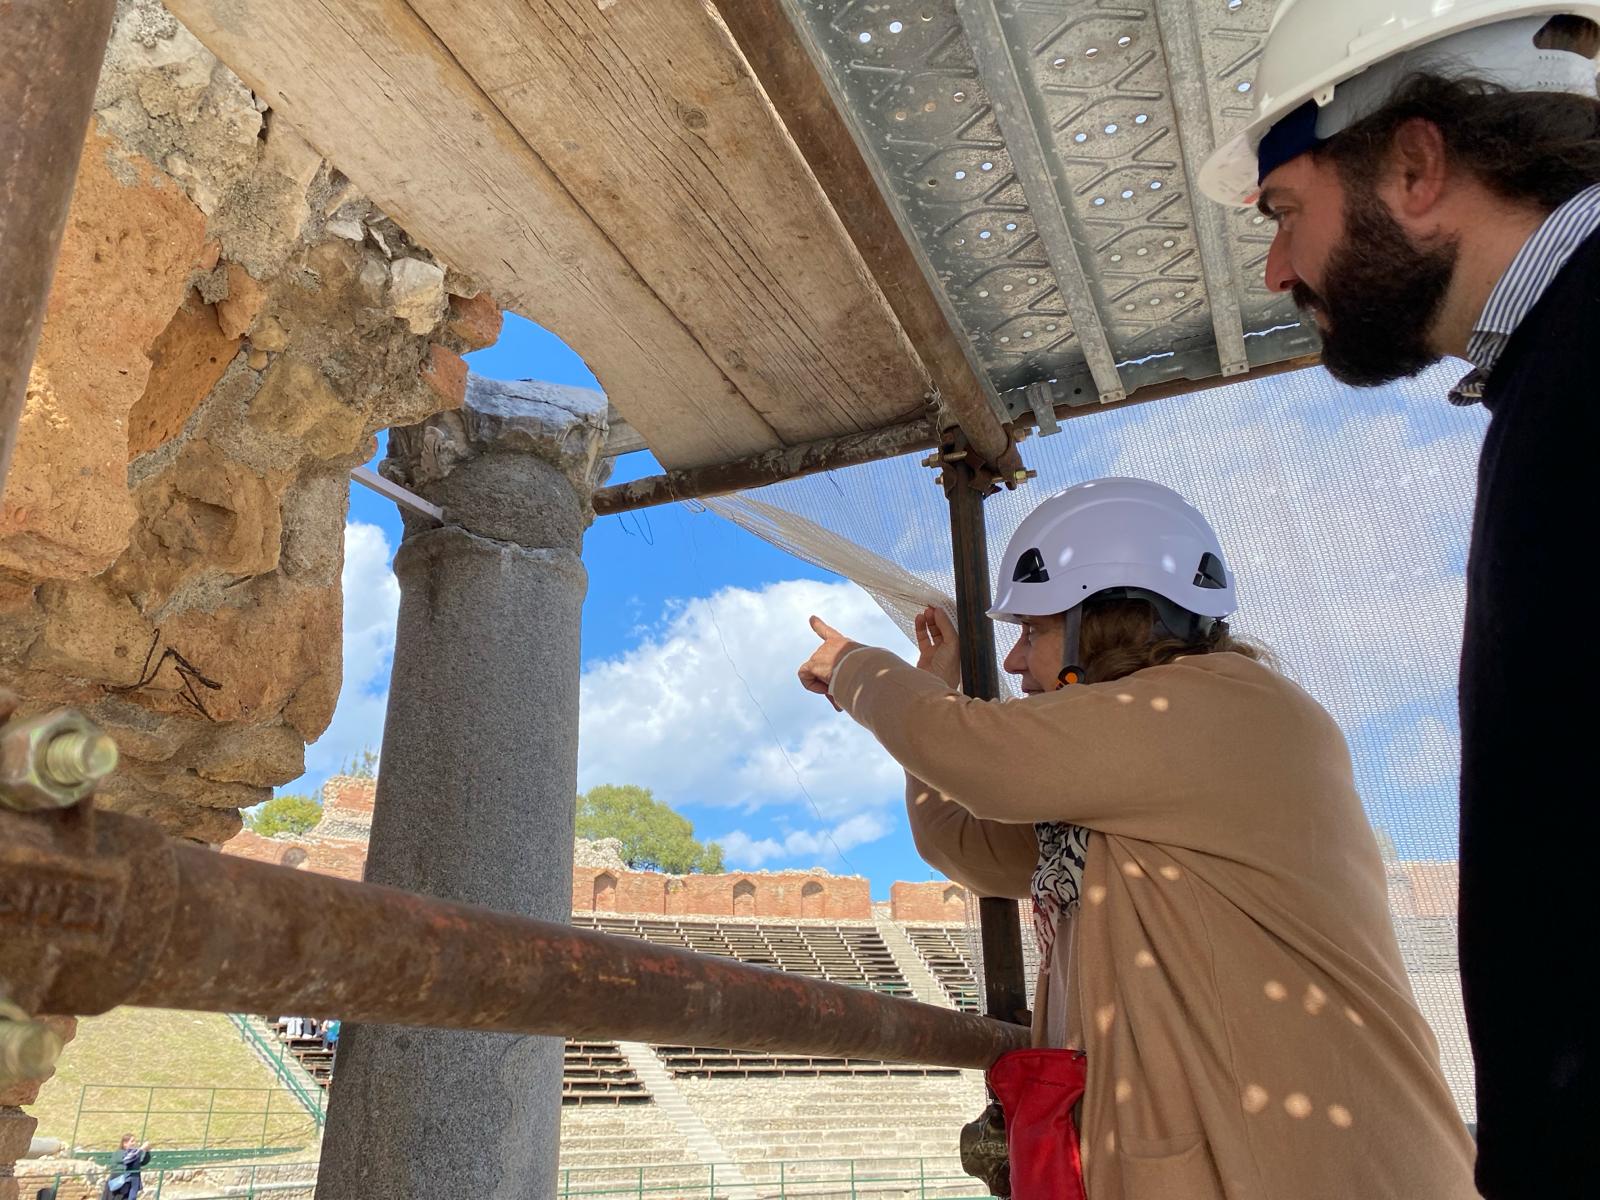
[{"x": 1527, "y": 278}]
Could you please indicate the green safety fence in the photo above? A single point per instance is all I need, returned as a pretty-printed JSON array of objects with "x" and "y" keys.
[
  {"x": 284, "y": 1068},
  {"x": 778, "y": 1179},
  {"x": 191, "y": 1124},
  {"x": 770, "y": 1179},
  {"x": 278, "y": 1181}
]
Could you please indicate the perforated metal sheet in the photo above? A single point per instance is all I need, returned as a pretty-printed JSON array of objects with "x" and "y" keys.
[{"x": 1037, "y": 155}]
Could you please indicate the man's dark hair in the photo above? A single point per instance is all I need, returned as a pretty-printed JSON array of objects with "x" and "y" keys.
[{"x": 1537, "y": 147}]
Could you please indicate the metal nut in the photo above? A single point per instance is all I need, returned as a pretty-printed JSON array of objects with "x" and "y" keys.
[{"x": 53, "y": 761}]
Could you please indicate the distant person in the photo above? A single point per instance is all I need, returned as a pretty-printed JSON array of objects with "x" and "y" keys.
[
  {"x": 330, "y": 1036},
  {"x": 125, "y": 1182},
  {"x": 1219, "y": 975}
]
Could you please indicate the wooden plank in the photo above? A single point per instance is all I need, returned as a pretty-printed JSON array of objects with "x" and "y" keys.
[
  {"x": 653, "y": 121},
  {"x": 368, "y": 84},
  {"x": 621, "y": 437},
  {"x": 775, "y": 53}
]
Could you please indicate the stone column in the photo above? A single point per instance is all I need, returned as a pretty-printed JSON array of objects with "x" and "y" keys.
[{"x": 477, "y": 783}]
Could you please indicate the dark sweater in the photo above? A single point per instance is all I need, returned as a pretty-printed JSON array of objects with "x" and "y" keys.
[{"x": 1530, "y": 747}]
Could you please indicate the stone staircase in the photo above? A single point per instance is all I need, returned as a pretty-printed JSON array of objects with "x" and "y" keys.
[
  {"x": 671, "y": 1103},
  {"x": 924, "y": 986},
  {"x": 759, "y": 1121}
]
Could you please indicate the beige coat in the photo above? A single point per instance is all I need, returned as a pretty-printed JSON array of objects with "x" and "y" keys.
[{"x": 1234, "y": 976}]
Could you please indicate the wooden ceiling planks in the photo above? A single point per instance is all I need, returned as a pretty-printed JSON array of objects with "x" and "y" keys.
[
  {"x": 614, "y": 173},
  {"x": 653, "y": 121},
  {"x": 779, "y": 59}
]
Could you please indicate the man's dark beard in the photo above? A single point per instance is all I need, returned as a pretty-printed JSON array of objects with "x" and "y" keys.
[{"x": 1380, "y": 295}]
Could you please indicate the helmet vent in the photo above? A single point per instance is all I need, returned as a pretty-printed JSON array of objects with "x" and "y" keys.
[
  {"x": 1030, "y": 568},
  {"x": 1212, "y": 574}
]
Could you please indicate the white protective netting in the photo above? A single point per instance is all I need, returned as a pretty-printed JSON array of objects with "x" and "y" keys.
[{"x": 1345, "y": 515}]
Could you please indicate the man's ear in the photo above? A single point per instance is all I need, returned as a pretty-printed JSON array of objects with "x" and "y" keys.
[{"x": 1418, "y": 169}]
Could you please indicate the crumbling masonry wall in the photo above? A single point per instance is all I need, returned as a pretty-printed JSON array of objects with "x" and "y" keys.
[{"x": 230, "y": 323}]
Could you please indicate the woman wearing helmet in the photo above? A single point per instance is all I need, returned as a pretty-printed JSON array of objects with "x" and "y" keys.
[{"x": 1210, "y": 901}]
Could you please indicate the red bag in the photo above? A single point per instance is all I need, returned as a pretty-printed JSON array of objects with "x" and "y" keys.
[{"x": 1037, "y": 1089}]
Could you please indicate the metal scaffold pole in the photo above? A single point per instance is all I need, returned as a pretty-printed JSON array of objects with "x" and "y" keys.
[
  {"x": 1005, "y": 992},
  {"x": 49, "y": 64},
  {"x": 76, "y": 885}
]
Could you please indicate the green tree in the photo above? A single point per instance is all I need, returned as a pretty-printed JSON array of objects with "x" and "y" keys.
[
  {"x": 653, "y": 837},
  {"x": 285, "y": 814}
]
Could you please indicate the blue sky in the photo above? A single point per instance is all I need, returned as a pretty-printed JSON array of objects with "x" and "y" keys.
[{"x": 1345, "y": 513}]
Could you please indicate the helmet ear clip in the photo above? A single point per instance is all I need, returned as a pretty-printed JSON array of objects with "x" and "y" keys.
[{"x": 1071, "y": 671}]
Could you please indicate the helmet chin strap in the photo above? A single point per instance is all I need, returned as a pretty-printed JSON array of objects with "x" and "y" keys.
[{"x": 1071, "y": 670}]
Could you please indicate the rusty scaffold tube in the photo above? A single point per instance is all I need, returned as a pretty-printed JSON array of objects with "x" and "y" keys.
[
  {"x": 999, "y": 923},
  {"x": 99, "y": 909},
  {"x": 49, "y": 63}
]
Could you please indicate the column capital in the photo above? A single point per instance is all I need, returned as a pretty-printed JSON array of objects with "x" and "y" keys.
[{"x": 497, "y": 464}]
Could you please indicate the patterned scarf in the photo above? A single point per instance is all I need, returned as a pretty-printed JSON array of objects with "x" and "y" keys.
[{"x": 1057, "y": 879}]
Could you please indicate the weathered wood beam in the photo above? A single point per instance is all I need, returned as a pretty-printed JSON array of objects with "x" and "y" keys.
[
  {"x": 614, "y": 173},
  {"x": 653, "y": 122},
  {"x": 621, "y": 437},
  {"x": 797, "y": 91}
]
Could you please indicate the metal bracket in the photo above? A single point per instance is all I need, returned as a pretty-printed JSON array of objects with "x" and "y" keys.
[{"x": 1041, "y": 399}]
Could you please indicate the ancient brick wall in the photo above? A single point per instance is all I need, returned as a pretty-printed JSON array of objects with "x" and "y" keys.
[
  {"x": 229, "y": 324},
  {"x": 771, "y": 896},
  {"x": 944, "y": 903}
]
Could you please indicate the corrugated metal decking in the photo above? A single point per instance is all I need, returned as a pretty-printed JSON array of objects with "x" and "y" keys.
[{"x": 1039, "y": 158}]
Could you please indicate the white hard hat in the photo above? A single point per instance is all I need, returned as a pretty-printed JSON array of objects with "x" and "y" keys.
[
  {"x": 1342, "y": 59},
  {"x": 1108, "y": 534}
]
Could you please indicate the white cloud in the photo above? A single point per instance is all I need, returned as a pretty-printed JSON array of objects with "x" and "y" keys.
[
  {"x": 371, "y": 608},
  {"x": 371, "y": 604},
  {"x": 1344, "y": 513},
  {"x": 707, "y": 710},
  {"x": 804, "y": 845},
  {"x": 682, "y": 713}
]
